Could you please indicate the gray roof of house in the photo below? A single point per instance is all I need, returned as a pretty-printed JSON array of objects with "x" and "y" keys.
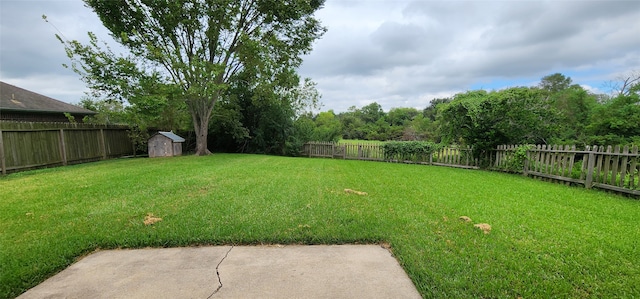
[
  {"x": 13, "y": 98},
  {"x": 172, "y": 136}
]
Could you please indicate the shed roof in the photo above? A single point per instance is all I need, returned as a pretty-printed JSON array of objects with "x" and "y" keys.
[
  {"x": 172, "y": 136},
  {"x": 13, "y": 98}
]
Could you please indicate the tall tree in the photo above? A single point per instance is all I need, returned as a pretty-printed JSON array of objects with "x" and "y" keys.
[
  {"x": 431, "y": 111},
  {"x": 574, "y": 106},
  {"x": 372, "y": 112},
  {"x": 617, "y": 121},
  {"x": 328, "y": 127},
  {"x": 625, "y": 85},
  {"x": 555, "y": 82},
  {"x": 195, "y": 47},
  {"x": 512, "y": 116}
]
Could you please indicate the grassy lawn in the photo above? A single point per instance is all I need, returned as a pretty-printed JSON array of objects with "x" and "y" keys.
[{"x": 546, "y": 241}]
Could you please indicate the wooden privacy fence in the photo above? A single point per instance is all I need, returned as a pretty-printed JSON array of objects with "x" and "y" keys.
[
  {"x": 449, "y": 156},
  {"x": 25, "y": 145},
  {"x": 612, "y": 168}
]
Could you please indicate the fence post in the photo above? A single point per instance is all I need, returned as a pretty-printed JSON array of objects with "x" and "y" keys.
[
  {"x": 344, "y": 151},
  {"x": 632, "y": 170},
  {"x": 623, "y": 165},
  {"x": 592, "y": 157},
  {"x": 2, "y": 159},
  {"x": 431, "y": 158},
  {"x": 525, "y": 170},
  {"x": 63, "y": 149}
]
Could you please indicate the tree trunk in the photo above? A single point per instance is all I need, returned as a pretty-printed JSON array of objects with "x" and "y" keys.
[
  {"x": 201, "y": 141},
  {"x": 201, "y": 119}
]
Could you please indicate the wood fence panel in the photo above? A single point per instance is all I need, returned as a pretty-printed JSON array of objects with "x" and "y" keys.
[
  {"x": 607, "y": 166},
  {"x": 572, "y": 159},
  {"x": 585, "y": 161},
  {"x": 587, "y": 166},
  {"x": 547, "y": 161},
  {"x": 3, "y": 165},
  {"x": 82, "y": 145},
  {"x": 31, "y": 149},
  {"x": 614, "y": 165},
  {"x": 551, "y": 164},
  {"x": 600, "y": 162},
  {"x": 601, "y": 167},
  {"x": 623, "y": 166},
  {"x": 28, "y": 145},
  {"x": 543, "y": 155},
  {"x": 375, "y": 152},
  {"x": 117, "y": 143}
]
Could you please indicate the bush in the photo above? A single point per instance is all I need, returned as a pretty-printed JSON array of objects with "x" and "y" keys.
[
  {"x": 416, "y": 151},
  {"x": 516, "y": 161}
]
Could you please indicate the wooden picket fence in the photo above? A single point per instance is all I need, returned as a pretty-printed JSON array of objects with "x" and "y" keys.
[
  {"x": 612, "y": 168},
  {"x": 29, "y": 145},
  {"x": 450, "y": 156}
]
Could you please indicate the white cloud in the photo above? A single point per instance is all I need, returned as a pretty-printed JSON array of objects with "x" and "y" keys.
[{"x": 398, "y": 53}]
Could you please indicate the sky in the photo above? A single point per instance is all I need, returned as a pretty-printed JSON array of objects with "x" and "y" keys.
[{"x": 398, "y": 53}]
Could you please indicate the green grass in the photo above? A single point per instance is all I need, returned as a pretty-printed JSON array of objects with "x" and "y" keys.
[{"x": 547, "y": 240}]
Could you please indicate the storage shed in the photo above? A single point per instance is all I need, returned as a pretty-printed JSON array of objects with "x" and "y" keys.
[{"x": 165, "y": 144}]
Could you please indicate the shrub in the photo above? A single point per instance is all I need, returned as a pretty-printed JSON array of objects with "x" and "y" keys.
[
  {"x": 416, "y": 151},
  {"x": 515, "y": 163}
]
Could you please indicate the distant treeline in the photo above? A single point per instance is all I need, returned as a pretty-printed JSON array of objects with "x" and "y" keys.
[{"x": 556, "y": 111}]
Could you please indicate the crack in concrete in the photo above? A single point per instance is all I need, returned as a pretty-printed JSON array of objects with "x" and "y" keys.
[{"x": 218, "y": 273}]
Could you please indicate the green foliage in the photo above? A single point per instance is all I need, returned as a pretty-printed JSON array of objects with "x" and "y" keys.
[
  {"x": 372, "y": 123},
  {"x": 367, "y": 123},
  {"x": 575, "y": 107},
  {"x": 416, "y": 151},
  {"x": 108, "y": 112},
  {"x": 485, "y": 120},
  {"x": 517, "y": 158},
  {"x": 140, "y": 138},
  {"x": 260, "y": 117},
  {"x": 371, "y": 113},
  {"x": 328, "y": 127},
  {"x": 555, "y": 83},
  {"x": 431, "y": 112},
  {"x": 352, "y": 125},
  {"x": 554, "y": 112},
  {"x": 420, "y": 128},
  {"x": 401, "y": 116},
  {"x": 194, "y": 48},
  {"x": 616, "y": 122},
  {"x": 71, "y": 118},
  {"x": 303, "y": 130}
]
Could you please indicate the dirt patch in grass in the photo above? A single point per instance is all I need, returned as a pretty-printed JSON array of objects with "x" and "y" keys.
[
  {"x": 150, "y": 219},
  {"x": 465, "y": 219},
  {"x": 355, "y": 192},
  {"x": 484, "y": 227}
]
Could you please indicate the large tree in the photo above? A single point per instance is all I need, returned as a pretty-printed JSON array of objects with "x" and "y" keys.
[
  {"x": 194, "y": 48},
  {"x": 517, "y": 115},
  {"x": 555, "y": 82}
]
